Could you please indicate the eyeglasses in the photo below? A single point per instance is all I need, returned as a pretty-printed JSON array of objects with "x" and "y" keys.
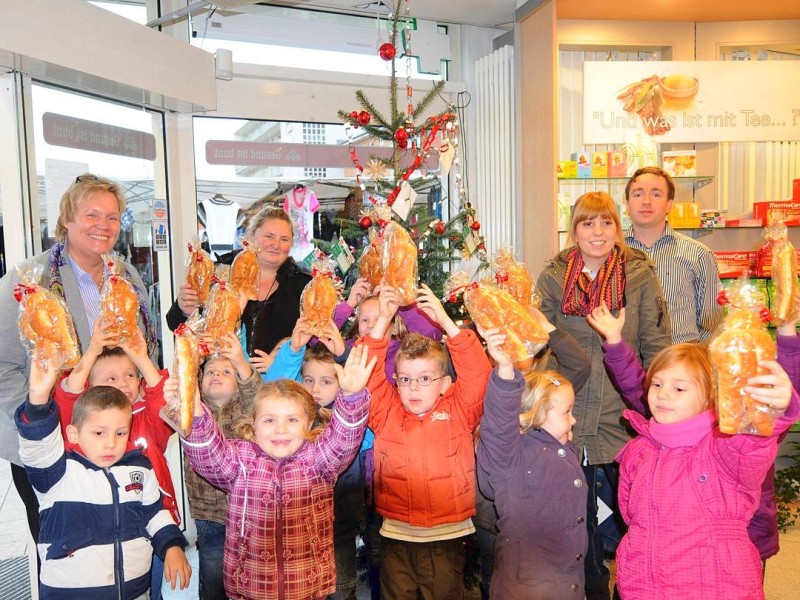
[
  {"x": 422, "y": 380},
  {"x": 83, "y": 178}
]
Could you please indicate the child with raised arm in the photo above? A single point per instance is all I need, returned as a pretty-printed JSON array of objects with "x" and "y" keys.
[
  {"x": 529, "y": 465},
  {"x": 424, "y": 456},
  {"x": 279, "y": 480},
  {"x": 100, "y": 508},
  {"x": 228, "y": 388},
  {"x": 687, "y": 491},
  {"x": 119, "y": 365}
]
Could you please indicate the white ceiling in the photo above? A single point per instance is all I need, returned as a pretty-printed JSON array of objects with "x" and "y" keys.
[{"x": 486, "y": 13}]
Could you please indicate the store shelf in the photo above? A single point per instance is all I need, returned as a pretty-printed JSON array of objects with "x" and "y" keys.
[{"x": 697, "y": 181}]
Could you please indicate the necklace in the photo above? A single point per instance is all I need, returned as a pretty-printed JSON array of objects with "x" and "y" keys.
[{"x": 302, "y": 200}]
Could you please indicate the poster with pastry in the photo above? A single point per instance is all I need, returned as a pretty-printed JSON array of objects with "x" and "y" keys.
[
  {"x": 320, "y": 296},
  {"x": 399, "y": 262},
  {"x": 741, "y": 341},
  {"x": 199, "y": 272},
  {"x": 119, "y": 303},
  {"x": 45, "y": 325}
]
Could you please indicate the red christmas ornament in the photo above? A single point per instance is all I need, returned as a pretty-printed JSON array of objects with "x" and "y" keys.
[
  {"x": 401, "y": 135},
  {"x": 475, "y": 226},
  {"x": 440, "y": 228},
  {"x": 354, "y": 115},
  {"x": 365, "y": 222},
  {"x": 387, "y": 52},
  {"x": 363, "y": 117},
  {"x": 402, "y": 144}
]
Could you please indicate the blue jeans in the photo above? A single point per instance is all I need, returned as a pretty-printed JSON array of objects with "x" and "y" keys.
[
  {"x": 210, "y": 546},
  {"x": 156, "y": 577}
]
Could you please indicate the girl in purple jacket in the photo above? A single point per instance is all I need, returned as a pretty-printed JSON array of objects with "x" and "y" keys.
[
  {"x": 687, "y": 491},
  {"x": 279, "y": 481},
  {"x": 527, "y": 463}
]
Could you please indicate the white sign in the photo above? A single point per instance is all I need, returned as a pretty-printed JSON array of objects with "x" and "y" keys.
[{"x": 705, "y": 101}]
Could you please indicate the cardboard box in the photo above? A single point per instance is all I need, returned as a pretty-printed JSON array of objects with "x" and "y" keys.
[
  {"x": 710, "y": 218},
  {"x": 735, "y": 264},
  {"x": 617, "y": 167},
  {"x": 684, "y": 215},
  {"x": 600, "y": 164},
  {"x": 787, "y": 211},
  {"x": 680, "y": 163},
  {"x": 584, "y": 162},
  {"x": 567, "y": 169}
]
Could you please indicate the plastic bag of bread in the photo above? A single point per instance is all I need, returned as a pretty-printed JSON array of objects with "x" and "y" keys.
[
  {"x": 741, "y": 341},
  {"x": 199, "y": 272},
  {"x": 399, "y": 262},
  {"x": 512, "y": 276},
  {"x": 178, "y": 411},
  {"x": 369, "y": 265},
  {"x": 245, "y": 272},
  {"x": 222, "y": 315},
  {"x": 492, "y": 307},
  {"x": 320, "y": 296},
  {"x": 45, "y": 325},
  {"x": 783, "y": 305},
  {"x": 119, "y": 303}
]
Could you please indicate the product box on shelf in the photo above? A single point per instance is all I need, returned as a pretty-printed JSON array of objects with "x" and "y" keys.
[
  {"x": 600, "y": 164},
  {"x": 796, "y": 190},
  {"x": 567, "y": 169},
  {"x": 679, "y": 163},
  {"x": 787, "y": 211},
  {"x": 617, "y": 166},
  {"x": 584, "y": 162},
  {"x": 735, "y": 264},
  {"x": 685, "y": 215},
  {"x": 713, "y": 217}
]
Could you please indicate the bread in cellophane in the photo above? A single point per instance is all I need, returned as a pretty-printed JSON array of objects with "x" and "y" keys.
[
  {"x": 399, "y": 262},
  {"x": 512, "y": 276},
  {"x": 222, "y": 316},
  {"x": 741, "y": 341},
  {"x": 245, "y": 272},
  {"x": 321, "y": 295},
  {"x": 783, "y": 304},
  {"x": 199, "y": 272},
  {"x": 119, "y": 303},
  {"x": 45, "y": 325},
  {"x": 178, "y": 410}
]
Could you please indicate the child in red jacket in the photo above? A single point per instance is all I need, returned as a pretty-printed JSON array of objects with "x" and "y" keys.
[
  {"x": 110, "y": 362},
  {"x": 424, "y": 458}
]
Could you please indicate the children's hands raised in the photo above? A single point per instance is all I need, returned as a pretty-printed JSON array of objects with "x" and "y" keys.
[
  {"x": 355, "y": 374},
  {"x": 606, "y": 324},
  {"x": 494, "y": 339},
  {"x": 332, "y": 339},
  {"x": 789, "y": 328},
  {"x": 177, "y": 566},
  {"x": 41, "y": 382},
  {"x": 135, "y": 347},
  {"x": 389, "y": 301},
  {"x": 773, "y": 389},
  {"x": 358, "y": 292},
  {"x": 101, "y": 338},
  {"x": 429, "y": 304},
  {"x": 231, "y": 348},
  {"x": 301, "y": 334}
]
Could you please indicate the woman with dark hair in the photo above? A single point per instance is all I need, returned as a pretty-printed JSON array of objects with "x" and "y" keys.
[{"x": 271, "y": 318}]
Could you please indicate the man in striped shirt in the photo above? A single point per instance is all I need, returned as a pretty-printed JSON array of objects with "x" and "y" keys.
[{"x": 687, "y": 269}]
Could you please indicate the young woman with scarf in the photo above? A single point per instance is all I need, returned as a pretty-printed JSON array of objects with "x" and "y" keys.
[{"x": 599, "y": 269}]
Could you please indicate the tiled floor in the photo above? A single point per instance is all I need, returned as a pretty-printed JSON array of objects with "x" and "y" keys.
[{"x": 782, "y": 578}]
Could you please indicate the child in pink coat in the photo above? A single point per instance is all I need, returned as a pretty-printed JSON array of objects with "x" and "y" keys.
[{"x": 687, "y": 491}]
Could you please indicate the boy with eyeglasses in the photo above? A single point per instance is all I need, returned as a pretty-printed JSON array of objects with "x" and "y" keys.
[{"x": 424, "y": 457}]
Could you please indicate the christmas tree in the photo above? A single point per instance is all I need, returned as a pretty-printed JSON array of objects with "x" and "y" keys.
[{"x": 392, "y": 183}]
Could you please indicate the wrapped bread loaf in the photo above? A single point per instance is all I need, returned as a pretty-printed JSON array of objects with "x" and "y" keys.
[
  {"x": 369, "y": 265},
  {"x": 319, "y": 297},
  {"x": 399, "y": 262},
  {"x": 513, "y": 277},
  {"x": 45, "y": 326},
  {"x": 742, "y": 340},
  {"x": 245, "y": 273},
  {"x": 179, "y": 411},
  {"x": 492, "y": 307},
  {"x": 119, "y": 303},
  {"x": 222, "y": 315},
  {"x": 783, "y": 305},
  {"x": 199, "y": 272}
]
